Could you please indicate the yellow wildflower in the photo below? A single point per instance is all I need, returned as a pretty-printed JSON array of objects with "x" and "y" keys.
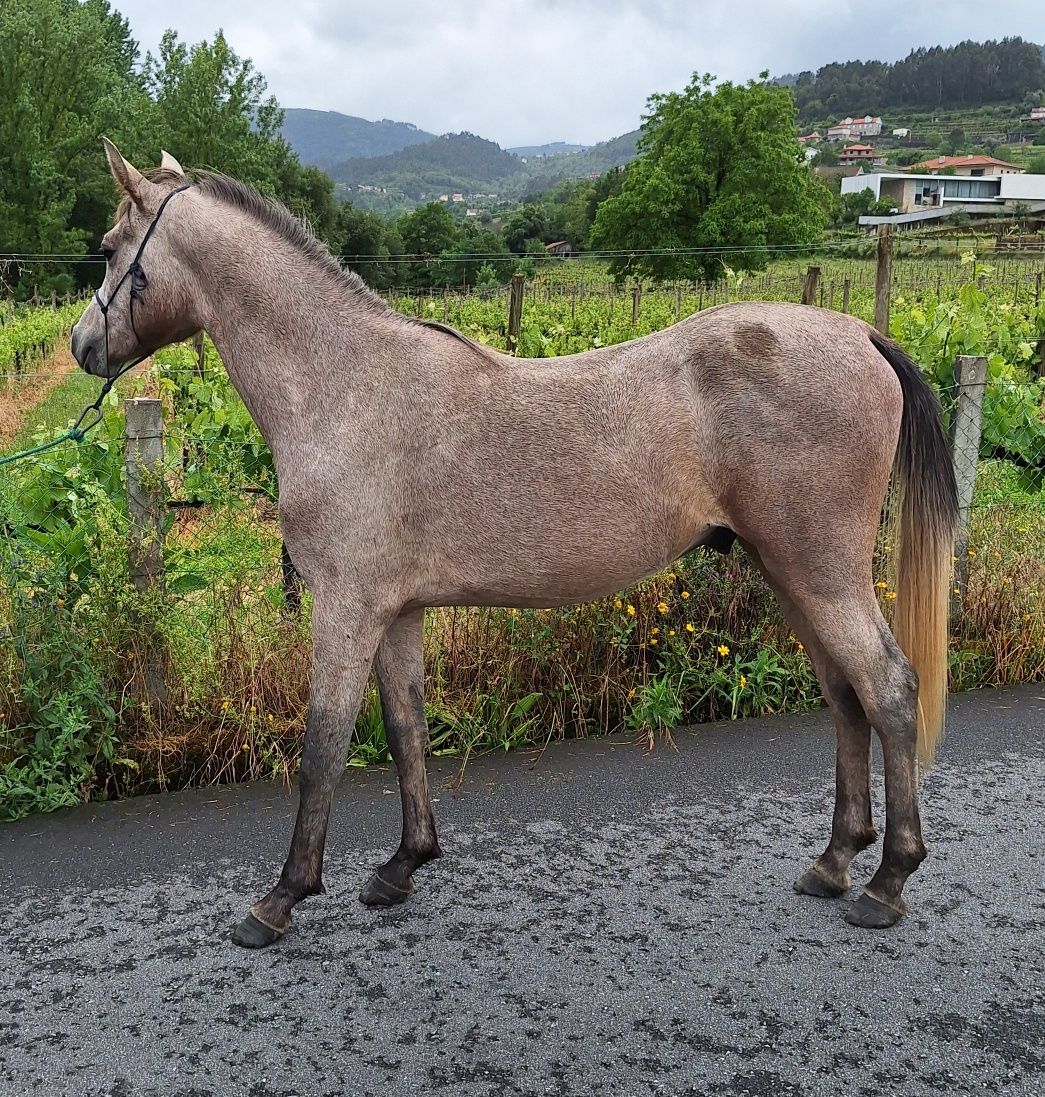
[
  {"x": 743, "y": 681},
  {"x": 881, "y": 585},
  {"x": 685, "y": 594},
  {"x": 662, "y": 607},
  {"x": 891, "y": 595},
  {"x": 618, "y": 604},
  {"x": 690, "y": 628},
  {"x": 653, "y": 642},
  {"x": 631, "y": 611},
  {"x": 723, "y": 650},
  {"x": 654, "y": 631},
  {"x": 631, "y": 694},
  {"x": 671, "y": 632}
]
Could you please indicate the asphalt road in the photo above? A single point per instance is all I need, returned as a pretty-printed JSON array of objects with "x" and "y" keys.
[{"x": 604, "y": 922}]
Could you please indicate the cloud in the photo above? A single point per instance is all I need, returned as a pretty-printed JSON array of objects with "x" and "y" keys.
[{"x": 529, "y": 71}]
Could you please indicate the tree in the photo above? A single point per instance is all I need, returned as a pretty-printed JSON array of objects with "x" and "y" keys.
[
  {"x": 369, "y": 245},
  {"x": 67, "y": 74},
  {"x": 428, "y": 233},
  {"x": 955, "y": 141},
  {"x": 1036, "y": 164},
  {"x": 720, "y": 168},
  {"x": 523, "y": 225}
]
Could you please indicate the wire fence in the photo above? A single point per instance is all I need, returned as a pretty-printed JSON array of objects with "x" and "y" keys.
[{"x": 147, "y": 586}]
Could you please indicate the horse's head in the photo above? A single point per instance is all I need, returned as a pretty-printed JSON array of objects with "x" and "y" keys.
[{"x": 149, "y": 297}]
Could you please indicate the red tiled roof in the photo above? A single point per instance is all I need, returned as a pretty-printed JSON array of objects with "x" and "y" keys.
[{"x": 938, "y": 163}]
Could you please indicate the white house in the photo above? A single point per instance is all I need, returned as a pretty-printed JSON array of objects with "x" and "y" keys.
[
  {"x": 1037, "y": 114},
  {"x": 868, "y": 126},
  {"x": 913, "y": 192}
]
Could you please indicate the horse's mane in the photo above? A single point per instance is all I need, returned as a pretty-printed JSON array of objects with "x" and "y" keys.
[{"x": 277, "y": 218}]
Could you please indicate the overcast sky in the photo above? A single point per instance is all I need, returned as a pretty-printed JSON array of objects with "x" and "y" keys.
[{"x": 529, "y": 71}]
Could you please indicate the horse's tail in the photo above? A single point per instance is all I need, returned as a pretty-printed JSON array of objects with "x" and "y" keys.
[{"x": 926, "y": 505}]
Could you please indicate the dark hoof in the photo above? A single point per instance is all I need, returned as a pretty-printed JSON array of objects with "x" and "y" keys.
[
  {"x": 812, "y": 883},
  {"x": 380, "y": 893},
  {"x": 251, "y": 933},
  {"x": 869, "y": 913}
]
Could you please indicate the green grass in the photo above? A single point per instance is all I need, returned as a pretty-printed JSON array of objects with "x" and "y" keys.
[{"x": 57, "y": 412}]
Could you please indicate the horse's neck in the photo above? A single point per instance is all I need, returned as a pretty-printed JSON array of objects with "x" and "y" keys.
[{"x": 282, "y": 340}]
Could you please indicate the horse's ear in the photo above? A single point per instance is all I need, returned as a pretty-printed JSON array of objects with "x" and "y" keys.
[
  {"x": 168, "y": 163},
  {"x": 128, "y": 178}
]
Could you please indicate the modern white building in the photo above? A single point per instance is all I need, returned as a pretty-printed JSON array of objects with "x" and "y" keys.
[{"x": 914, "y": 192}]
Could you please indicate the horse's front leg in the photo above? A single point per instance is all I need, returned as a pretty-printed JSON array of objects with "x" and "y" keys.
[
  {"x": 400, "y": 679},
  {"x": 344, "y": 639}
]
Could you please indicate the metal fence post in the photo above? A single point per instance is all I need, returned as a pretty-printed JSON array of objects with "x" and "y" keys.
[
  {"x": 970, "y": 375},
  {"x": 883, "y": 278},
  {"x": 515, "y": 306},
  {"x": 143, "y": 467}
]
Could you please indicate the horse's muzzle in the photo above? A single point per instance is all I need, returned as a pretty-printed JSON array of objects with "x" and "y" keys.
[{"x": 86, "y": 352}]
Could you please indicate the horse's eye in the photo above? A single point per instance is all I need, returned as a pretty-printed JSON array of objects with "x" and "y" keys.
[{"x": 108, "y": 253}]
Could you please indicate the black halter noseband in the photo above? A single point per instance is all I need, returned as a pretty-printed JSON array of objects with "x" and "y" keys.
[{"x": 139, "y": 282}]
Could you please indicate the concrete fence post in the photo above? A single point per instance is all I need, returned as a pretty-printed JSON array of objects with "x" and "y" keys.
[{"x": 970, "y": 376}]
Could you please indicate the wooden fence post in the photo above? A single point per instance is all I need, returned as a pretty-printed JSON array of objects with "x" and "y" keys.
[
  {"x": 970, "y": 376},
  {"x": 810, "y": 285},
  {"x": 143, "y": 467},
  {"x": 291, "y": 583},
  {"x": 515, "y": 305},
  {"x": 636, "y": 298},
  {"x": 197, "y": 346},
  {"x": 883, "y": 278},
  {"x": 847, "y": 289}
]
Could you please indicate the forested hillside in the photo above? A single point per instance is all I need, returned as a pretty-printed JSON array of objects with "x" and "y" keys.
[
  {"x": 455, "y": 160},
  {"x": 968, "y": 74},
  {"x": 327, "y": 137}
]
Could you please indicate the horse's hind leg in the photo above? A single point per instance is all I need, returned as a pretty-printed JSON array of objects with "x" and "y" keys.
[
  {"x": 853, "y": 634},
  {"x": 852, "y": 828},
  {"x": 400, "y": 679}
]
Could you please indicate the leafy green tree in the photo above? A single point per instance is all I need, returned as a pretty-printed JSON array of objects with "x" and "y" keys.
[
  {"x": 212, "y": 110},
  {"x": 67, "y": 74},
  {"x": 462, "y": 265},
  {"x": 1036, "y": 164},
  {"x": 369, "y": 245},
  {"x": 524, "y": 224},
  {"x": 428, "y": 233},
  {"x": 720, "y": 168},
  {"x": 955, "y": 142}
]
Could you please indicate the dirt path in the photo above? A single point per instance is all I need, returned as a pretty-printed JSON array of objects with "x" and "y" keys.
[{"x": 18, "y": 400}]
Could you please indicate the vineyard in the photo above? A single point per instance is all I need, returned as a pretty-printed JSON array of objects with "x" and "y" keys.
[{"x": 110, "y": 686}]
